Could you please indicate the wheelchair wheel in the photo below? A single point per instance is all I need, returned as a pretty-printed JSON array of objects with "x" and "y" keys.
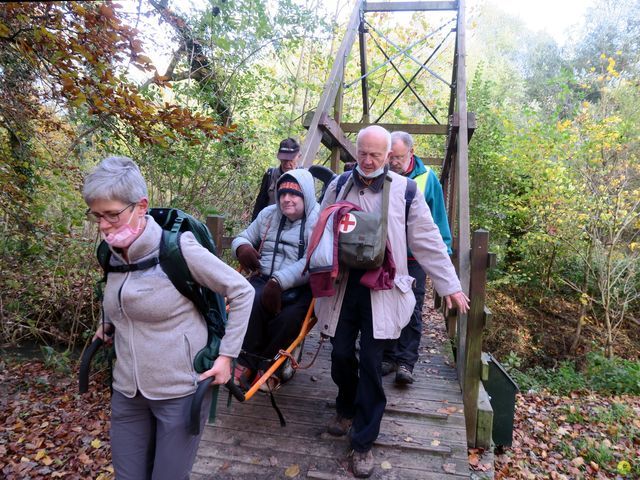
[{"x": 286, "y": 371}]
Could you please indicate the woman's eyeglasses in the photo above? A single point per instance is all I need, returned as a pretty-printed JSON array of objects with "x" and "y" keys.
[{"x": 109, "y": 217}]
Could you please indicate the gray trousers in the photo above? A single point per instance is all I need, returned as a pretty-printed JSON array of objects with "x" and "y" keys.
[{"x": 149, "y": 438}]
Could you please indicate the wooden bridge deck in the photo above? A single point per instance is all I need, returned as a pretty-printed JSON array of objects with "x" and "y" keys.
[{"x": 422, "y": 434}]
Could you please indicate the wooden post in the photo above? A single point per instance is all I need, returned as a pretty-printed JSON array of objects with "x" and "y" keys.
[
  {"x": 473, "y": 339},
  {"x": 363, "y": 72},
  {"x": 215, "y": 224},
  {"x": 337, "y": 116},
  {"x": 312, "y": 141}
]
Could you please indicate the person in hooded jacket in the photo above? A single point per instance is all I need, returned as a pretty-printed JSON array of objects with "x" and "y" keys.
[{"x": 273, "y": 249}]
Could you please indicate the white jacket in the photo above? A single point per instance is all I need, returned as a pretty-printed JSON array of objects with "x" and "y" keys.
[{"x": 392, "y": 309}]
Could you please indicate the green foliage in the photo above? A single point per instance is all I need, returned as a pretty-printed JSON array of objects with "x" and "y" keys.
[
  {"x": 613, "y": 375},
  {"x": 57, "y": 361},
  {"x": 600, "y": 374}
]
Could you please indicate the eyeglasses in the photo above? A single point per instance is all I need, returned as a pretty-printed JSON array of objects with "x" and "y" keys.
[
  {"x": 399, "y": 158},
  {"x": 109, "y": 217}
]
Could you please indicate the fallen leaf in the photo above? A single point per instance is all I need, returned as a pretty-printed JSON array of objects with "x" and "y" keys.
[
  {"x": 435, "y": 443},
  {"x": 385, "y": 465},
  {"x": 95, "y": 443},
  {"x": 292, "y": 471},
  {"x": 449, "y": 467},
  {"x": 577, "y": 462}
]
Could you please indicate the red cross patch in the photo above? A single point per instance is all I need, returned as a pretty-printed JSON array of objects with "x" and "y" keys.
[{"x": 347, "y": 223}]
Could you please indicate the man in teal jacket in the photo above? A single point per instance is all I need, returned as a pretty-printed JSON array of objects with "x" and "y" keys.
[{"x": 402, "y": 355}]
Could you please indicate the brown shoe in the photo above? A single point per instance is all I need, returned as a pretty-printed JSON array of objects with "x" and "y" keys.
[
  {"x": 362, "y": 464},
  {"x": 338, "y": 425}
]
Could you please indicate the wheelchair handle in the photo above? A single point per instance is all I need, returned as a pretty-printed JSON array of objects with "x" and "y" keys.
[
  {"x": 198, "y": 398},
  {"x": 85, "y": 364}
]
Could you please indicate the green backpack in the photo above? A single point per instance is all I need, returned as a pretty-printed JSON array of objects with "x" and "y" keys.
[{"x": 209, "y": 303}]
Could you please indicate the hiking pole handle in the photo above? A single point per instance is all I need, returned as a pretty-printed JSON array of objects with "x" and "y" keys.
[
  {"x": 85, "y": 364},
  {"x": 198, "y": 398}
]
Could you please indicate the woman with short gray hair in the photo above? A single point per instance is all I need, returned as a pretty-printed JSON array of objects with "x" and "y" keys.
[{"x": 156, "y": 330}]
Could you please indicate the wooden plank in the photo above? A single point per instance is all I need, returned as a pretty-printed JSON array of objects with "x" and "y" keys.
[
  {"x": 311, "y": 143},
  {"x": 485, "y": 420},
  {"x": 435, "y": 161},
  {"x": 487, "y": 316},
  {"x": 364, "y": 86},
  {"x": 337, "y": 135},
  {"x": 475, "y": 325},
  {"x": 484, "y": 375},
  {"x": 470, "y": 380},
  {"x": 215, "y": 224},
  {"x": 333, "y": 137},
  {"x": 338, "y": 151},
  {"x": 416, "y": 436},
  {"x": 412, "y": 128},
  {"x": 420, "y": 6}
]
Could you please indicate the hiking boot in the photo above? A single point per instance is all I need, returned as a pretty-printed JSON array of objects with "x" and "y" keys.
[
  {"x": 404, "y": 376},
  {"x": 388, "y": 367},
  {"x": 338, "y": 425},
  {"x": 362, "y": 464}
]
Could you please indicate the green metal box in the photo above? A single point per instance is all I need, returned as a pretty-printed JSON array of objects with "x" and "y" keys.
[{"x": 502, "y": 391}]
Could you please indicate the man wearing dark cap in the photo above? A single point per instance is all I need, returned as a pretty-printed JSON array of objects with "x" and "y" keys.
[
  {"x": 288, "y": 154},
  {"x": 272, "y": 248}
]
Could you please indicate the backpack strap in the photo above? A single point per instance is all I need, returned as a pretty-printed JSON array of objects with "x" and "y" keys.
[
  {"x": 132, "y": 267},
  {"x": 283, "y": 220},
  {"x": 342, "y": 179},
  {"x": 409, "y": 195},
  {"x": 301, "y": 240},
  {"x": 103, "y": 253}
]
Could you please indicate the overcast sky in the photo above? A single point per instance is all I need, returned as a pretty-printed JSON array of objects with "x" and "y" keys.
[{"x": 552, "y": 16}]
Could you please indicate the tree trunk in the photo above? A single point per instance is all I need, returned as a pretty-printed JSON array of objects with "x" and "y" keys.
[{"x": 586, "y": 276}]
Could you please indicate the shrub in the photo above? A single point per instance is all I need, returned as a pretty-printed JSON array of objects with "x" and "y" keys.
[{"x": 615, "y": 376}]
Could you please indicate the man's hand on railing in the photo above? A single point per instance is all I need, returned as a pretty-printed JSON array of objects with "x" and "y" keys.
[{"x": 458, "y": 300}]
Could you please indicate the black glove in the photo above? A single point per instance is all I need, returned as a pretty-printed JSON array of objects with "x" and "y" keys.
[
  {"x": 248, "y": 257},
  {"x": 272, "y": 297}
]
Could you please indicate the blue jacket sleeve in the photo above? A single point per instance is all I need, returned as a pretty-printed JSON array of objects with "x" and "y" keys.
[{"x": 435, "y": 200}]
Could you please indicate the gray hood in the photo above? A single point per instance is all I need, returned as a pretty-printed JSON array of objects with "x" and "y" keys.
[{"x": 305, "y": 180}]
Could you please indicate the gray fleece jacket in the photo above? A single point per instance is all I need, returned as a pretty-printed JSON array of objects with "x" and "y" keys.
[
  {"x": 159, "y": 331},
  {"x": 287, "y": 268}
]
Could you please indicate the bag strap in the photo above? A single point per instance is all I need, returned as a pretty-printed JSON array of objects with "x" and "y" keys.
[
  {"x": 409, "y": 195},
  {"x": 342, "y": 179},
  {"x": 386, "y": 188},
  {"x": 283, "y": 219},
  {"x": 301, "y": 239}
]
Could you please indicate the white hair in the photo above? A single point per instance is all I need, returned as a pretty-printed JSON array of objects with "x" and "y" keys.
[
  {"x": 115, "y": 178},
  {"x": 404, "y": 137},
  {"x": 377, "y": 130}
]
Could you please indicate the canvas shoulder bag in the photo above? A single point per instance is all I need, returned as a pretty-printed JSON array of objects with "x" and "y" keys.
[{"x": 362, "y": 236}]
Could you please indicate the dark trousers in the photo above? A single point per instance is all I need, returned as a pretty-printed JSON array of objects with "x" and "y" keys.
[
  {"x": 404, "y": 351},
  {"x": 360, "y": 392},
  {"x": 267, "y": 333},
  {"x": 149, "y": 438}
]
